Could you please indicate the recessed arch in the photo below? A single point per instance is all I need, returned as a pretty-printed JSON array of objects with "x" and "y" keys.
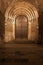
[{"x": 27, "y": 9}]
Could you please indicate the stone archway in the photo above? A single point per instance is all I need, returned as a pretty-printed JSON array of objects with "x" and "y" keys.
[{"x": 21, "y": 8}]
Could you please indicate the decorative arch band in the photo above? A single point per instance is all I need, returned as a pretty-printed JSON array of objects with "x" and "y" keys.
[{"x": 22, "y": 8}]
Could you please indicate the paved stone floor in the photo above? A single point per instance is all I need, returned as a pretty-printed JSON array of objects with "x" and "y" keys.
[{"x": 21, "y": 53}]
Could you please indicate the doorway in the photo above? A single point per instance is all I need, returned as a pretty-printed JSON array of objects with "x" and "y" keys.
[{"x": 21, "y": 25}]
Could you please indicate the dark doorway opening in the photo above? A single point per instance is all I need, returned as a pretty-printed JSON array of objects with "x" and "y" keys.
[{"x": 21, "y": 25}]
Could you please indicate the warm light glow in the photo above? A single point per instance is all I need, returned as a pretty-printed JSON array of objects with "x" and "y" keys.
[
  {"x": 27, "y": 10},
  {"x": 29, "y": 35},
  {"x": 14, "y": 29}
]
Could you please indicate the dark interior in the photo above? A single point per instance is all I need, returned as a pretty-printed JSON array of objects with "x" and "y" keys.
[{"x": 21, "y": 27}]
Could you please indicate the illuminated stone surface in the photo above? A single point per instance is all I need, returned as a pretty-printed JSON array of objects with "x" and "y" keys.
[{"x": 21, "y": 8}]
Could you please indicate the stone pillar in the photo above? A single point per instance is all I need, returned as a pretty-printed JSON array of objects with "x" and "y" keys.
[
  {"x": 29, "y": 30},
  {"x": 14, "y": 29}
]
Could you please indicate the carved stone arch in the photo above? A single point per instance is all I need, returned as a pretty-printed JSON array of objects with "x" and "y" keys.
[{"x": 21, "y": 8}]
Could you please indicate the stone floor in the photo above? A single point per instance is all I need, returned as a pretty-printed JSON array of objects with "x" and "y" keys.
[{"x": 21, "y": 53}]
